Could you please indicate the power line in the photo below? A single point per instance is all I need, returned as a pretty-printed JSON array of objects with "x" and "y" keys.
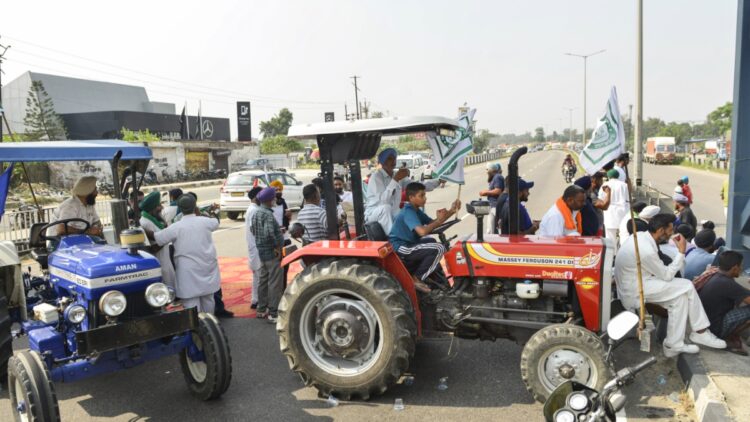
[{"x": 234, "y": 93}]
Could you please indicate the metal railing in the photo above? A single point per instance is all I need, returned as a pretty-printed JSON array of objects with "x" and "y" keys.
[{"x": 15, "y": 225}]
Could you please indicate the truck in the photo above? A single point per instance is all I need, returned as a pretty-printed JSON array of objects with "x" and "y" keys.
[{"x": 660, "y": 150}]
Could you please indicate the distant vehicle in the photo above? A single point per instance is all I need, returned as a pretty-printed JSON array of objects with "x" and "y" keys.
[
  {"x": 711, "y": 147},
  {"x": 233, "y": 197},
  {"x": 660, "y": 150},
  {"x": 258, "y": 164},
  {"x": 415, "y": 163}
]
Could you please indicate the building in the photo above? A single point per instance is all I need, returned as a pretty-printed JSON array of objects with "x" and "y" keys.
[{"x": 99, "y": 110}]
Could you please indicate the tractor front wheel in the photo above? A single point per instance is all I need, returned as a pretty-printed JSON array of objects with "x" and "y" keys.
[
  {"x": 560, "y": 353},
  {"x": 207, "y": 362},
  {"x": 347, "y": 328},
  {"x": 32, "y": 396}
]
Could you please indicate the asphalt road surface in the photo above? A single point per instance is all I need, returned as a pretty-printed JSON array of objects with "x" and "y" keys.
[{"x": 484, "y": 380}]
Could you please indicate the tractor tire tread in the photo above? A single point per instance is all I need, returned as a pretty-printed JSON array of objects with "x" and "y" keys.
[
  {"x": 215, "y": 343},
  {"x": 392, "y": 295},
  {"x": 29, "y": 370}
]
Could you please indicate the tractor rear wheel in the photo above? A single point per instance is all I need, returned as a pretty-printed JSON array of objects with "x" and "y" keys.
[
  {"x": 563, "y": 352},
  {"x": 32, "y": 396},
  {"x": 347, "y": 328},
  {"x": 207, "y": 378}
]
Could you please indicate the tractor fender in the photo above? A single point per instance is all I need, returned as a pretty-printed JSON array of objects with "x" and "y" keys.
[{"x": 381, "y": 253}]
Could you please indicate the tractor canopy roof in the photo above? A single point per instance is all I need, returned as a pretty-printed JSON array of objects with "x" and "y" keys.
[
  {"x": 360, "y": 139},
  {"x": 100, "y": 150}
]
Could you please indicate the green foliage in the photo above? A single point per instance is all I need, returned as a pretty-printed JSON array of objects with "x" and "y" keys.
[
  {"x": 405, "y": 144},
  {"x": 278, "y": 125},
  {"x": 41, "y": 120},
  {"x": 539, "y": 134},
  {"x": 720, "y": 120},
  {"x": 138, "y": 135},
  {"x": 481, "y": 141},
  {"x": 280, "y": 144}
]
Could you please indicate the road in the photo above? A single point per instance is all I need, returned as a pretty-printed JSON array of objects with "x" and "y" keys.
[{"x": 483, "y": 377}]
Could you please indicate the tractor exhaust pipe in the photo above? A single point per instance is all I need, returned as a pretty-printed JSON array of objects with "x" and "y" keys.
[{"x": 513, "y": 189}]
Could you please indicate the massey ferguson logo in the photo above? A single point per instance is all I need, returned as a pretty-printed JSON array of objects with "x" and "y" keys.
[{"x": 128, "y": 267}]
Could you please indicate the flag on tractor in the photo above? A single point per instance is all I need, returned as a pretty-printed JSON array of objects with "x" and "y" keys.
[
  {"x": 449, "y": 151},
  {"x": 5, "y": 187},
  {"x": 608, "y": 139}
]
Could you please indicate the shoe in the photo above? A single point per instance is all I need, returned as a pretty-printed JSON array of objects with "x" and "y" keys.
[
  {"x": 262, "y": 315},
  {"x": 671, "y": 352},
  {"x": 708, "y": 339},
  {"x": 254, "y": 305},
  {"x": 422, "y": 287},
  {"x": 224, "y": 314},
  {"x": 272, "y": 318}
]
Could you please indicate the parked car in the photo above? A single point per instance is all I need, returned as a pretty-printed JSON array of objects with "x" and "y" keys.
[
  {"x": 233, "y": 198},
  {"x": 258, "y": 164},
  {"x": 415, "y": 163}
]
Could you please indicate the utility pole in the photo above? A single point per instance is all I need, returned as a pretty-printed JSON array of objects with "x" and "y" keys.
[
  {"x": 356, "y": 93},
  {"x": 638, "y": 131},
  {"x": 2, "y": 111},
  {"x": 570, "y": 127},
  {"x": 365, "y": 108},
  {"x": 585, "y": 60}
]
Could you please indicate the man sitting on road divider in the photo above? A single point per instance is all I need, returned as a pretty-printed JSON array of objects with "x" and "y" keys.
[
  {"x": 661, "y": 287},
  {"x": 384, "y": 190},
  {"x": 564, "y": 217},
  {"x": 420, "y": 254}
]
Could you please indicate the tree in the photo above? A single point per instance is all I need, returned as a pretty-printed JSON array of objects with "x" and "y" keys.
[
  {"x": 539, "y": 134},
  {"x": 138, "y": 135},
  {"x": 41, "y": 120},
  {"x": 720, "y": 120},
  {"x": 481, "y": 141},
  {"x": 280, "y": 144},
  {"x": 278, "y": 125}
]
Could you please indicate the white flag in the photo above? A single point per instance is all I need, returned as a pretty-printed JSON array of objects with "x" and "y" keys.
[
  {"x": 449, "y": 152},
  {"x": 607, "y": 141}
]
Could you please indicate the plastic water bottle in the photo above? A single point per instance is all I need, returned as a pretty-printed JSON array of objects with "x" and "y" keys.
[
  {"x": 443, "y": 384},
  {"x": 332, "y": 401},
  {"x": 661, "y": 379},
  {"x": 398, "y": 404}
]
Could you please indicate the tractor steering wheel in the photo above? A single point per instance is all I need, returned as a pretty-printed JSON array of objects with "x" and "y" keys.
[
  {"x": 445, "y": 226},
  {"x": 43, "y": 230}
]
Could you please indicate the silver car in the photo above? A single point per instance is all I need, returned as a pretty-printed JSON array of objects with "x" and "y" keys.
[{"x": 233, "y": 199}]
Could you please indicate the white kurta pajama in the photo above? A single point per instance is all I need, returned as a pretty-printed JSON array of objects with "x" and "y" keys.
[
  {"x": 676, "y": 295},
  {"x": 619, "y": 206},
  {"x": 168, "y": 276},
  {"x": 252, "y": 250},
  {"x": 197, "y": 267},
  {"x": 384, "y": 197}
]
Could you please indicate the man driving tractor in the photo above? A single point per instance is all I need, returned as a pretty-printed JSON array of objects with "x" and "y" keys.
[
  {"x": 420, "y": 254},
  {"x": 80, "y": 205}
]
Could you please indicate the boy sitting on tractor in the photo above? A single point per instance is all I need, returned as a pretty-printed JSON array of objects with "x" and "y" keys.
[{"x": 420, "y": 254}]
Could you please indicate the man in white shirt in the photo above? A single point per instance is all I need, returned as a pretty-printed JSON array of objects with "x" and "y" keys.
[
  {"x": 152, "y": 221},
  {"x": 197, "y": 266},
  {"x": 643, "y": 214},
  {"x": 564, "y": 217},
  {"x": 661, "y": 287},
  {"x": 621, "y": 162},
  {"x": 252, "y": 249},
  {"x": 384, "y": 190},
  {"x": 338, "y": 186},
  {"x": 619, "y": 205},
  {"x": 80, "y": 205}
]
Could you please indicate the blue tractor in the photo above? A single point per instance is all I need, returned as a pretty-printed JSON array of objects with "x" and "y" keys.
[{"x": 98, "y": 307}]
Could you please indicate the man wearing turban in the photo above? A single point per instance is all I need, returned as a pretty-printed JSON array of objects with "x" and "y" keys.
[
  {"x": 383, "y": 195},
  {"x": 80, "y": 205},
  {"x": 152, "y": 221}
]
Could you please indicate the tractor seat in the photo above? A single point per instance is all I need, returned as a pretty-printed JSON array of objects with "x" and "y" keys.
[
  {"x": 375, "y": 232},
  {"x": 38, "y": 246}
]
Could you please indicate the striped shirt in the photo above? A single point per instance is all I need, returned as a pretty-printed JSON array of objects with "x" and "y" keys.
[{"x": 313, "y": 217}]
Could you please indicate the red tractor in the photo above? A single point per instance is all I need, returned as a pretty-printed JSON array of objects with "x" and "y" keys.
[{"x": 348, "y": 323}]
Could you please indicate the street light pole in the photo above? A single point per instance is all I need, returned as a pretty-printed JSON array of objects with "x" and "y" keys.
[
  {"x": 585, "y": 60},
  {"x": 637, "y": 132}
]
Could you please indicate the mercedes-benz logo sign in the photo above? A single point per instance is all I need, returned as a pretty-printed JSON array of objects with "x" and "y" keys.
[{"x": 208, "y": 128}]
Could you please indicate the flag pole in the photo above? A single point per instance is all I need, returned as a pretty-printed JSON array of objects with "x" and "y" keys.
[{"x": 458, "y": 197}]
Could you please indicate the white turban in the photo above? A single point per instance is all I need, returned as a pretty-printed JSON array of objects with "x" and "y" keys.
[
  {"x": 84, "y": 186},
  {"x": 678, "y": 189},
  {"x": 649, "y": 212},
  {"x": 678, "y": 197}
]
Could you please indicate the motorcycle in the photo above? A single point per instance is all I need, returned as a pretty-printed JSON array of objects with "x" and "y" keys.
[
  {"x": 568, "y": 172},
  {"x": 572, "y": 401}
]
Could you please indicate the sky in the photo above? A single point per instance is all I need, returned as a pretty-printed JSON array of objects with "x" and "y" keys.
[{"x": 505, "y": 58}]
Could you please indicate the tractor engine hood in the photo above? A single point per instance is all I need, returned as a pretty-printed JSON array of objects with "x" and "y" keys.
[{"x": 93, "y": 269}]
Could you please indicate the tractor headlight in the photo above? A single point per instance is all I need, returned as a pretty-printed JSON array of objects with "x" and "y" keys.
[
  {"x": 578, "y": 401},
  {"x": 113, "y": 303},
  {"x": 564, "y": 415},
  {"x": 75, "y": 314},
  {"x": 158, "y": 295}
]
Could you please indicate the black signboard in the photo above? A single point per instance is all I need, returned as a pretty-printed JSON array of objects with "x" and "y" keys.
[
  {"x": 243, "y": 121},
  {"x": 329, "y": 116}
]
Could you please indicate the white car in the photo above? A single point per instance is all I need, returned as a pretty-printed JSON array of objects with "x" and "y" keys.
[
  {"x": 233, "y": 199},
  {"x": 416, "y": 164}
]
